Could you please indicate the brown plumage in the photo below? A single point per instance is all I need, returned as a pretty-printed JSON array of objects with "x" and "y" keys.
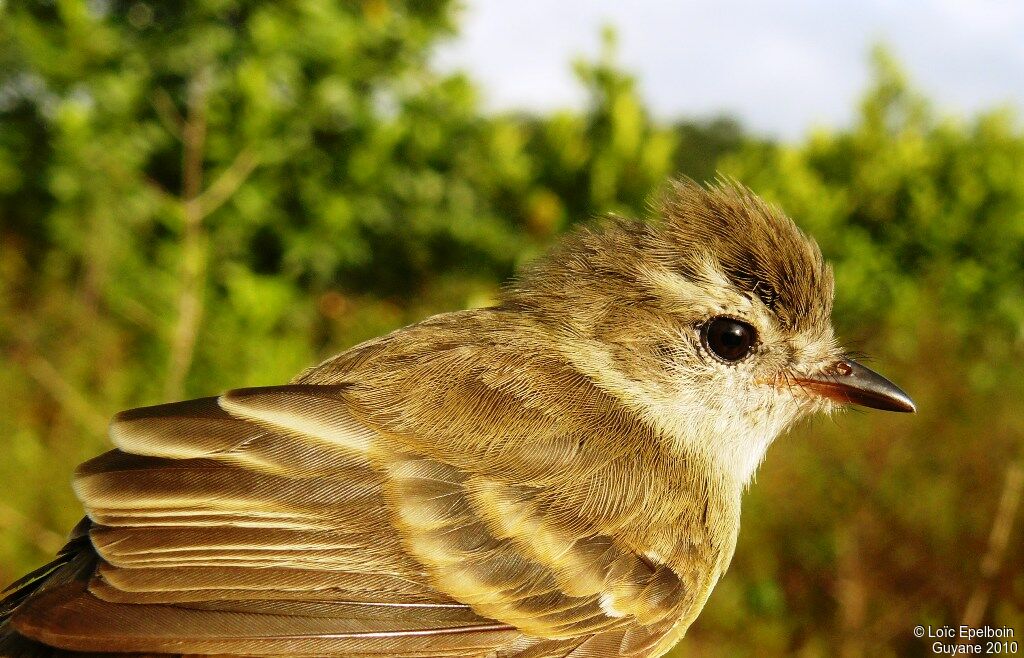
[{"x": 558, "y": 475}]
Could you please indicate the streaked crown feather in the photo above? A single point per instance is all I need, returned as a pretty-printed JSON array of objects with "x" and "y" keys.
[{"x": 752, "y": 243}]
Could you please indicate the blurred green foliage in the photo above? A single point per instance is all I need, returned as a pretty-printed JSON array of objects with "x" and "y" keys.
[{"x": 203, "y": 195}]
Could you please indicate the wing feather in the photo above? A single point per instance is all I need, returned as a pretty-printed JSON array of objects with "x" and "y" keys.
[
  {"x": 69, "y": 617},
  {"x": 248, "y": 524}
]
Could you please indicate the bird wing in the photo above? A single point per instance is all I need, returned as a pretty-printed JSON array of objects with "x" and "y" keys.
[
  {"x": 280, "y": 521},
  {"x": 250, "y": 524}
]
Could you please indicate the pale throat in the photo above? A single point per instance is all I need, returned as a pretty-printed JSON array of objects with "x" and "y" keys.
[{"x": 728, "y": 439}]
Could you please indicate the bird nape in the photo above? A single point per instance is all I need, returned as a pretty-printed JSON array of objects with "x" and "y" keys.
[{"x": 556, "y": 475}]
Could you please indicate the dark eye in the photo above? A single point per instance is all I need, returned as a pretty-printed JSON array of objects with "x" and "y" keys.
[{"x": 729, "y": 339}]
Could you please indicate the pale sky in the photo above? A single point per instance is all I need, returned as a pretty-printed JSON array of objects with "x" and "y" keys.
[{"x": 780, "y": 66}]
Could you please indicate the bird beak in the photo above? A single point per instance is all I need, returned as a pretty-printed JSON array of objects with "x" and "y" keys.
[{"x": 848, "y": 382}]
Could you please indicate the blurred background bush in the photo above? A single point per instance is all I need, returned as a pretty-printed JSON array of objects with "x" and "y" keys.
[{"x": 218, "y": 195}]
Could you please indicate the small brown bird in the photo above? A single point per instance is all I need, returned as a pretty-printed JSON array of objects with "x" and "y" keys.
[{"x": 557, "y": 475}]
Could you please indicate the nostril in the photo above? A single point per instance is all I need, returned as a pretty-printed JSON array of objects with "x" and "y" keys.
[{"x": 844, "y": 369}]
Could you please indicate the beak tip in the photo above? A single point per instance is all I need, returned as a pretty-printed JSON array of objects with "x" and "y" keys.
[{"x": 905, "y": 405}]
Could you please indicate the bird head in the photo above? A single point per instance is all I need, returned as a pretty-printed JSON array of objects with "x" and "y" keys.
[{"x": 712, "y": 322}]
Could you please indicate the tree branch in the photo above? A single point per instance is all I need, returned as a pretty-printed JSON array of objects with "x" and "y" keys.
[
  {"x": 167, "y": 113},
  {"x": 228, "y": 182},
  {"x": 999, "y": 537},
  {"x": 67, "y": 396},
  {"x": 194, "y": 240}
]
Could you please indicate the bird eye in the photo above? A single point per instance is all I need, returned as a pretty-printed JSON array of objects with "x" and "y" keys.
[{"x": 729, "y": 339}]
